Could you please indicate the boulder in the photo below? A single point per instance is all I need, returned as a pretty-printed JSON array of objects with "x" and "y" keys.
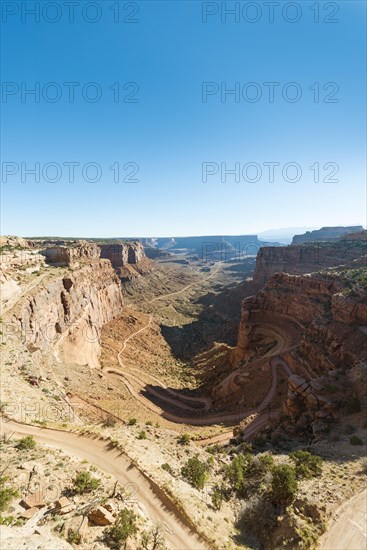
[
  {"x": 101, "y": 516},
  {"x": 64, "y": 506},
  {"x": 29, "y": 513},
  {"x": 33, "y": 500}
]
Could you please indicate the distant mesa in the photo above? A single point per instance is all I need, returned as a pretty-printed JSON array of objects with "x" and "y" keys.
[{"x": 326, "y": 234}]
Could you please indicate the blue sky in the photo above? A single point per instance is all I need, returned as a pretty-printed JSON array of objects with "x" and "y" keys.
[{"x": 170, "y": 132}]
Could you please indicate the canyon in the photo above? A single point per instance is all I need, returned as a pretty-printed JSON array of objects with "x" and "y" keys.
[{"x": 226, "y": 348}]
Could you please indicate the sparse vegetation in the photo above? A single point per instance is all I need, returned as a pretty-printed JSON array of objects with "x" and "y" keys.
[
  {"x": 353, "y": 405},
  {"x": 142, "y": 435},
  {"x": 125, "y": 526},
  {"x": 7, "y": 493},
  {"x": 258, "y": 519},
  {"x": 184, "y": 439},
  {"x": 132, "y": 422},
  {"x": 167, "y": 468},
  {"x": 217, "y": 497},
  {"x": 284, "y": 484},
  {"x": 195, "y": 472},
  {"x": 26, "y": 443},
  {"x": 84, "y": 482},
  {"x": 355, "y": 440},
  {"x": 307, "y": 465},
  {"x": 153, "y": 539}
]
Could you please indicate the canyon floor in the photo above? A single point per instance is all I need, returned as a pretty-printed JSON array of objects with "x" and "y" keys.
[{"x": 147, "y": 406}]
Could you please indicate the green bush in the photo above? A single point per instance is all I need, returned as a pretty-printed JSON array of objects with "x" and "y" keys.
[
  {"x": 26, "y": 443},
  {"x": 184, "y": 439},
  {"x": 307, "y": 465},
  {"x": 132, "y": 422},
  {"x": 258, "y": 519},
  {"x": 247, "y": 474},
  {"x": 236, "y": 470},
  {"x": 85, "y": 483},
  {"x": 195, "y": 472},
  {"x": 142, "y": 435},
  {"x": 284, "y": 484},
  {"x": 124, "y": 527},
  {"x": 353, "y": 405},
  {"x": 6, "y": 494},
  {"x": 167, "y": 468},
  {"x": 217, "y": 497},
  {"x": 355, "y": 440}
]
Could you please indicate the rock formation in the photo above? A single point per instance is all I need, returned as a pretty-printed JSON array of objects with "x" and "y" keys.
[
  {"x": 128, "y": 259},
  {"x": 69, "y": 255},
  {"x": 72, "y": 308}
]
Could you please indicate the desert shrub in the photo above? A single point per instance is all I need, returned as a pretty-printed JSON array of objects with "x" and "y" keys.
[
  {"x": 247, "y": 474},
  {"x": 307, "y": 465},
  {"x": 355, "y": 440},
  {"x": 153, "y": 539},
  {"x": 73, "y": 537},
  {"x": 167, "y": 468},
  {"x": 26, "y": 443},
  {"x": 131, "y": 422},
  {"x": 195, "y": 472},
  {"x": 6, "y": 493},
  {"x": 142, "y": 435},
  {"x": 184, "y": 439},
  {"x": 109, "y": 422},
  {"x": 236, "y": 470},
  {"x": 125, "y": 526},
  {"x": 258, "y": 519},
  {"x": 85, "y": 483},
  {"x": 353, "y": 405},
  {"x": 217, "y": 497},
  {"x": 284, "y": 484}
]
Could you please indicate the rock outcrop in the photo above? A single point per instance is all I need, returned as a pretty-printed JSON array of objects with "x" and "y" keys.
[
  {"x": 122, "y": 254},
  {"x": 128, "y": 259},
  {"x": 69, "y": 255}
]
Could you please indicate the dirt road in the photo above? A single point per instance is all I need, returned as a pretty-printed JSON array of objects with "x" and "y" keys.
[
  {"x": 348, "y": 530},
  {"x": 157, "y": 506}
]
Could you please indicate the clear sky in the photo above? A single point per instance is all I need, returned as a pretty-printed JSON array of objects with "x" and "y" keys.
[{"x": 167, "y": 124}]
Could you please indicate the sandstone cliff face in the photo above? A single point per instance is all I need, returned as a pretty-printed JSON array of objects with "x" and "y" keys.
[
  {"x": 68, "y": 314},
  {"x": 123, "y": 254},
  {"x": 68, "y": 255},
  {"x": 298, "y": 260}
]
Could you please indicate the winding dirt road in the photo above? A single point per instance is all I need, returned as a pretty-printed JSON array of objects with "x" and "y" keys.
[
  {"x": 158, "y": 507},
  {"x": 348, "y": 531}
]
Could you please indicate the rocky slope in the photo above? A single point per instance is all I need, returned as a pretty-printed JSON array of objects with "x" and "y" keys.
[{"x": 329, "y": 358}]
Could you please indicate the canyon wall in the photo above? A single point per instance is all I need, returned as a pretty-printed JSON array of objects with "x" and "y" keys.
[
  {"x": 67, "y": 314},
  {"x": 68, "y": 255},
  {"x": 299, "y": 260}
]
